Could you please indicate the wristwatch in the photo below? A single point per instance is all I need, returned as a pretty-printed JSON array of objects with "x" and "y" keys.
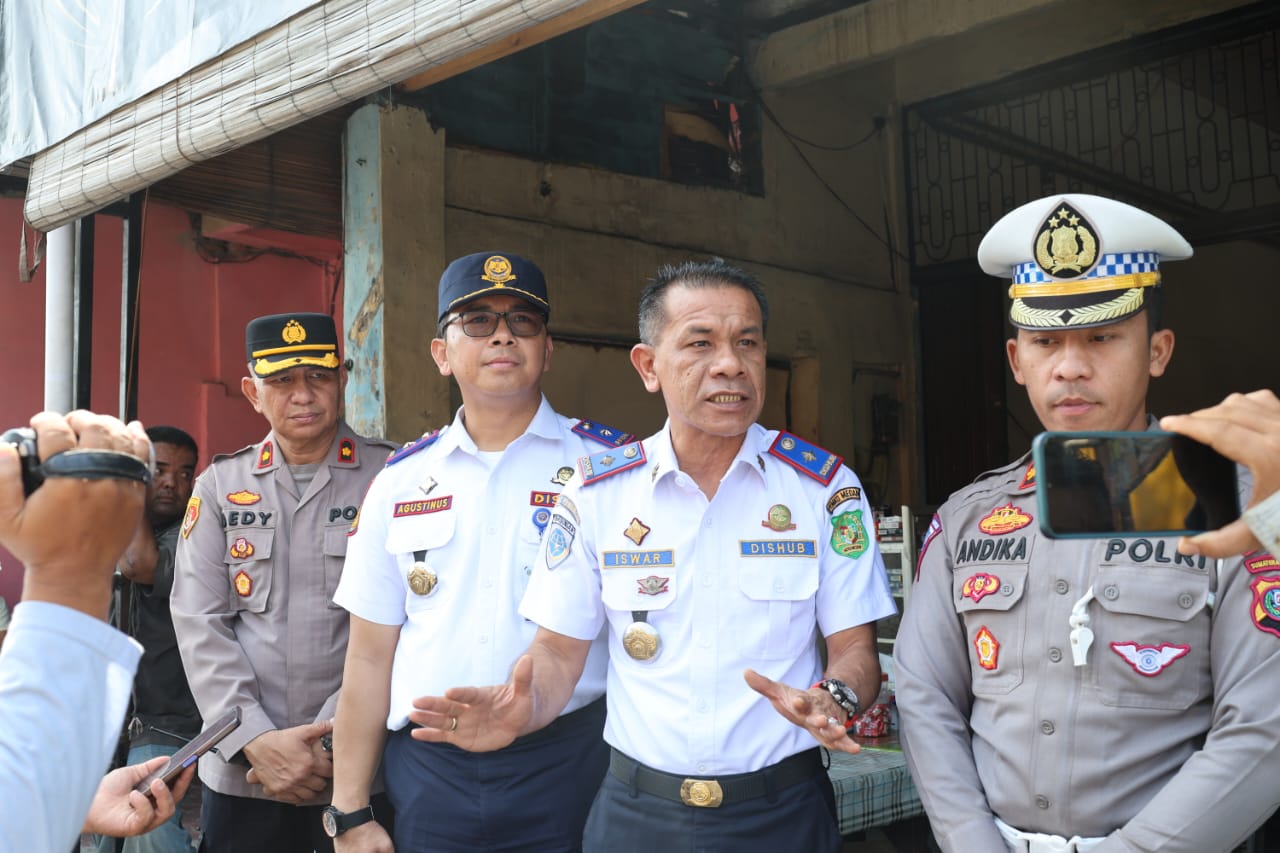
[
  {"x": 844, "y": 696},
  {"x": 336, "y": 822}
]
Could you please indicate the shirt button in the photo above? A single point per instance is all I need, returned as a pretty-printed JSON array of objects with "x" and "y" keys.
[
  {"x": 705, "y": 642},
  {"x": 1006, "y": 589},
  {"x": 488, "y": 582},
  {"x": 1186, "y": 600},
  {"x": 778, "y": 587},
  {"x": 1061, "y": 587},
  {"x": 706, "y": 580},
  {"x": 702, "y": 706},
  {"x": 1055, "y": 654},
  {"x": 702, "y": 768},
  {"x": 1046, "y": 727},
  {"x": 1111, "y": 593},
  {"x": 706, "y": 523},
  {"x": 484, "y": 638},
  {"x": 1042, "y": 802}
]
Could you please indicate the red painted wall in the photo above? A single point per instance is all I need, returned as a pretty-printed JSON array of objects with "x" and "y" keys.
[{"x": 192, "y": 319}]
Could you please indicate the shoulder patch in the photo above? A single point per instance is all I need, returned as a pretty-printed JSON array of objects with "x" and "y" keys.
[
  {"x": 605, "y": 435},
  {"x": 609, "y": 462},
  {"x": 806, "y": 458},
  {"x": 413, "y": 447}
]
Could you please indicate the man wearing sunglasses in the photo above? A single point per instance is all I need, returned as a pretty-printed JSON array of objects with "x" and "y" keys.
[{"x": 436, "y": 567}]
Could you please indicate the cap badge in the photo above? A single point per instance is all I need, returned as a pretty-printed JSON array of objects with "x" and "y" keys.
[
  {"x": 636, "y": 531},
  {"x": 1066, "y": 245},
  {"x": 293, "y": 333},
  {"x": 497, "y": 269}
]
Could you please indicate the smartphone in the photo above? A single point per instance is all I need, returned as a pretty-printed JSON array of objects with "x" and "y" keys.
[
  {"x": 1093, "y": 484},
  {"x": 194, "y": 748}
]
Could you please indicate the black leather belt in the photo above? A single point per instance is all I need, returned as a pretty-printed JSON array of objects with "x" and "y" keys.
[{"x": 710, "y": 793}]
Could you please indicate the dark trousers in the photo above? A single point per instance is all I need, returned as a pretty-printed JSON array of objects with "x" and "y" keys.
[
  {"x": 800, "y": 817},
  {"x": 532, "y": 796},
  {"x": 248, "y": 825}
]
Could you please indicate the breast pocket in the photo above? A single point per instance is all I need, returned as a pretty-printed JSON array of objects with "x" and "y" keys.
[
  {"x": 431, "y": 580},
  {"x": 1151, "y": 637},
  {"x": 335, "y": 555},
  {"x": 988, "y": 600},
  {"x": 784, "y": 608},
  {"x": 249, "y": 569}
]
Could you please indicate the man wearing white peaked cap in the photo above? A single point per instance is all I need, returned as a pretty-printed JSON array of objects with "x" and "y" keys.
[{"x": 1094, "y": 695}]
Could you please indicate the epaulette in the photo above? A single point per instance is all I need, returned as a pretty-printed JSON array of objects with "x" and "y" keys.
[
  {"x": 1009, "y": 479},
  {"x": 805, "y": 457},
  {"x": 413, "y": 447},
  {"x": 605, "y": 435},
  {"x": 609, "y": 462}
]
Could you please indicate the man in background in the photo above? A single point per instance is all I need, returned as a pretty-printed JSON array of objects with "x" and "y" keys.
[{"x": 165, "y": 715}]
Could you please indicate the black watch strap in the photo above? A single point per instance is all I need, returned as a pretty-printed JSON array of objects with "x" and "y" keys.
[{"x": 337, "y": 822}]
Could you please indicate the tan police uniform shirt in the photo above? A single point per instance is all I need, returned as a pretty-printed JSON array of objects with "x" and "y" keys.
[
  {"x": 997, "y": 719},
  {"x": 257, "y": 567}
]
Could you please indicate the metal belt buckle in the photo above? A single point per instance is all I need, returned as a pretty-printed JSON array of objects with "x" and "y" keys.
[{"x": 701, "y": 793}]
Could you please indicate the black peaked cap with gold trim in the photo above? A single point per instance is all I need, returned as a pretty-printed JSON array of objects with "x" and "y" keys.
[
  {"x": 280, "y": 341},
  {"x": 1078, "y": 260},
  {"x": 474, "y": 275}
]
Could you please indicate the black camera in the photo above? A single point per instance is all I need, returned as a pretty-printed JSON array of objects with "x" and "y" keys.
[
  {"x": 23, "y": 440},
  {"x": 84, "y": 464}
]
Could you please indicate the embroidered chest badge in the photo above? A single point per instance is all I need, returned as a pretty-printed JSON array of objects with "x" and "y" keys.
[
  {"x": 1003, "y": 519},
  {"x": 243, "y": 584},
  {"x": 241, "y": 548},
  {"x": 244, "y": 497},
  {"x": 987, "y": 647},
  {"x": 1149, "y": 661},
  {"x": 652, "y": 585},
  {"x": 979, "y": 586},
  {"x": 1266, "y": 605}
]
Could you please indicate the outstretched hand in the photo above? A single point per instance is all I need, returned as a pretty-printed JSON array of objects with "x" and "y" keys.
[
  {"x": 809, "y": 709},
  {"x": 1246, "y": 429},
  {"x": 478, "y": 719},
  {"x": 119, "y": 811}
]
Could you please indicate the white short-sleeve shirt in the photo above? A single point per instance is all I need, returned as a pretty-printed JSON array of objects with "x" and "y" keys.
[
  {"x": 750, "y": 578},
  {"x": 477, "y": 527}
]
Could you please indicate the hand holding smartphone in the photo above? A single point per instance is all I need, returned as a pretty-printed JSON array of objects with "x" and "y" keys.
[
  {"x": 1092, "y": 484},
  {"x": 189, "y": 753}
]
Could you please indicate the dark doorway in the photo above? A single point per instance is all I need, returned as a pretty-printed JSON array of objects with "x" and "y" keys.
[{"x": 962, "y": 380}]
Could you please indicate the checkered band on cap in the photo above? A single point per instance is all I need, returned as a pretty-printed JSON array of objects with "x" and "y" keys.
[{"x": 1108, "y": 266}]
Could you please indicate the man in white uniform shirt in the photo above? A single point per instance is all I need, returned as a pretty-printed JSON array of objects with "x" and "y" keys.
[
  {"x": 715, "y": 551},
  {"x": 436, "y": 567}
]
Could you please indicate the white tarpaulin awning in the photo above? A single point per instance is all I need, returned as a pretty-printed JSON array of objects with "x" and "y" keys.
[{"x": 329, "y": 54}]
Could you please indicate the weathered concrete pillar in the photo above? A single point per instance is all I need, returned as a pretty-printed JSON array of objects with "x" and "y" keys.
[{"x": 393, "y": 212}]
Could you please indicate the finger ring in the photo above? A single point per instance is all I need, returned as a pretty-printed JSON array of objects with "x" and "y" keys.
[
  {"x": 453, "y": 727},
  {"x": 832, "y": 721}
]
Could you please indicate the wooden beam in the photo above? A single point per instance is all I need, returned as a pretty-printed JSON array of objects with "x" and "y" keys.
[
  {"x": 870, "y": 32},
  {"x": 536, "y": 34}
]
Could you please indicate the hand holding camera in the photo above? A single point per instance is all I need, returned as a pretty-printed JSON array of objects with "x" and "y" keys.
[{"x": 71, "y": 493}]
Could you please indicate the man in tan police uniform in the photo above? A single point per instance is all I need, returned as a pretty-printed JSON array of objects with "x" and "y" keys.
[
  {"x": 1085, "y": 694},
  {"x": 259, "y": 556}
]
